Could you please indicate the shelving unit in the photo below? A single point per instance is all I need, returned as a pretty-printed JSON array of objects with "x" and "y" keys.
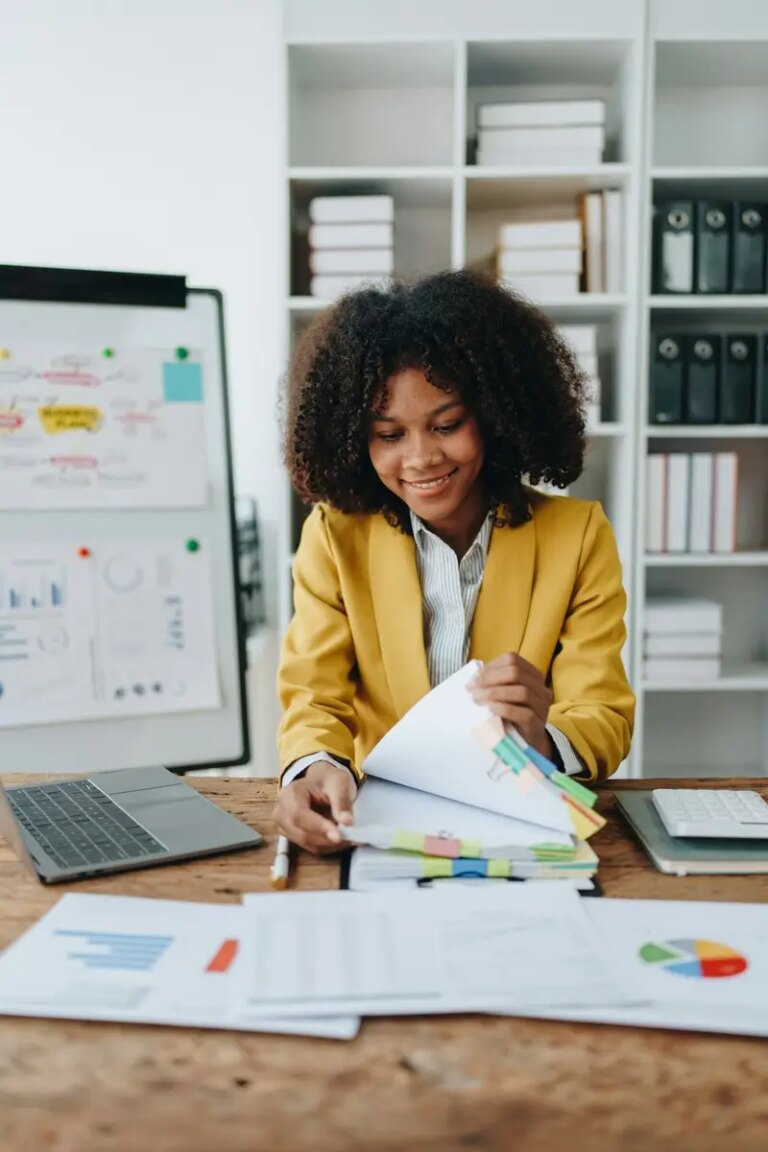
[
  {"x": 707, "y": 79},
  {"x": 384, "y": 102}
]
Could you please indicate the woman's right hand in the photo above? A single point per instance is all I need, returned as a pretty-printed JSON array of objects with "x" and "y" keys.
[{"x": 310, "y": 809}]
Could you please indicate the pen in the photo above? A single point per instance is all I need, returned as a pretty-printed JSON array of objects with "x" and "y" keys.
[{"x": 278, "y": 875}]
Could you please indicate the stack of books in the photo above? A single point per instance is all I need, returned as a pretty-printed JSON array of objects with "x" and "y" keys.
[
  {"x": 541, "y": 133},
  {"x": 541, "y": 258},
  {"x": 691, "y": 502},
  {"x": 601, "y": 216},
  {"x": 451, "y": 792},
  {"x": 351, "y": 243},
  {"x": 582, "y": 339},
  {"x": 682, "y": 639}
]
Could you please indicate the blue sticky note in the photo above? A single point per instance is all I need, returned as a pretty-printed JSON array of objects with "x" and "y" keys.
[
  {"x": 469, "y": 867},
  {"x": 182, "y": 382}
]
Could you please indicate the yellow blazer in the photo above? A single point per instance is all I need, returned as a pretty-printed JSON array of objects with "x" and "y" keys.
[{"x": 353, "y": 659}]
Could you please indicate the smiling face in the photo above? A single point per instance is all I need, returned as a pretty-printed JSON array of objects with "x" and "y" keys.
[{"x": 426, "y": 447}]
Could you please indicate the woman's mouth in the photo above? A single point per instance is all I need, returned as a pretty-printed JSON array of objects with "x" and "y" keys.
[{"x": 433, "y": 485}]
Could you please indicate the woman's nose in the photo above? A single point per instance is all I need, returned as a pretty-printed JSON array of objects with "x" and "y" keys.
[{"x": 422, "y": 451}]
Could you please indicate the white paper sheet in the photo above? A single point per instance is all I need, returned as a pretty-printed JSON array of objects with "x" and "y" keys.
[
  {"x": 138, "y": 961},
  {"x": 81, "y": 429},
  {"x": 432, "y": 748},
  {"x": 126, "y": 630},
  {"x": 367, "y": 874},
  {"x": 382, "y": 808},
  {"x": 730, "y": 994},
  {"x": 397, "y": 953}
]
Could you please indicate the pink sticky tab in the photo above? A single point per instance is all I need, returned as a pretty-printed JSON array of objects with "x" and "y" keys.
[
  {"x": 489, "y": 733},
  {"x": 441, "y": 846},
  {"x": 525, "y": 781}
]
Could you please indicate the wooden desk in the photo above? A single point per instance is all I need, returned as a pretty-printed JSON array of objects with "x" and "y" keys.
[{"x": 410, "y": 1085}]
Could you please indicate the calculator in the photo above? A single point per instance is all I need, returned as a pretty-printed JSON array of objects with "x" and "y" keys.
[{"x": 715, "y": 813}]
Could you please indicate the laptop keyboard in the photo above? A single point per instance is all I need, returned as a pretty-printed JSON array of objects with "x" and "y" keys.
[{"x": 76, "y": 823}]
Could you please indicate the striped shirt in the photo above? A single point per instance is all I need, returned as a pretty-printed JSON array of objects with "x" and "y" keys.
[{"x": 449, "y": 591}]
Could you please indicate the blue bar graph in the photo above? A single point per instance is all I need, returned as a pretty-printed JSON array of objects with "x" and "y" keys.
[{"x": 117, "y": 951}]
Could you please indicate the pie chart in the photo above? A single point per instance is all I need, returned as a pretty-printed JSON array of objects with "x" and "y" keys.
[{"x": 700, "y": 959}]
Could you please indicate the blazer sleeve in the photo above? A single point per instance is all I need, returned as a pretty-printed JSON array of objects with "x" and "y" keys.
[
  {"x": 595, "y": 706},
  {"x": 316, "y": 684}
]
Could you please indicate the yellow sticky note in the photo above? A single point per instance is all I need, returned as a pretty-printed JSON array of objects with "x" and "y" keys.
[
  {"x": 584, "y": 826},
  {"x": 57, "y": 418}
]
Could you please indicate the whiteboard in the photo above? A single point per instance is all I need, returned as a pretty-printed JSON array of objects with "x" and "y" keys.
[{"x": 197, "y": 737}]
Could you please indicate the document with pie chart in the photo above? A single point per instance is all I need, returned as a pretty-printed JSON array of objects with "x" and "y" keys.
[
  {"x": 700, "y": 966},
  {"x": 102, "y": 630}
]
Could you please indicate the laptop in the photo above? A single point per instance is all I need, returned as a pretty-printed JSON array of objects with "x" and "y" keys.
[{"x": 115, "y": 822}]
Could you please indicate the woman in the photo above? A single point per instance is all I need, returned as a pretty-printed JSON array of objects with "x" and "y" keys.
[{"x": 417, "y": 417}]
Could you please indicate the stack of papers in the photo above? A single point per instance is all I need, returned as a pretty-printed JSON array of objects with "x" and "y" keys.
[
  {"x": 313, "y": 963},
  {"x": 451, "y": 793}
]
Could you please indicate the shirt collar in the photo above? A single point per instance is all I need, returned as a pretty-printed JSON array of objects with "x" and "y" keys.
[{"x": 422, "y": 535}]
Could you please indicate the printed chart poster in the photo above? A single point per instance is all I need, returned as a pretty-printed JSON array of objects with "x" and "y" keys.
[
  {"x": 127, "y": 630},
  {"x": 112, "y": 428}
]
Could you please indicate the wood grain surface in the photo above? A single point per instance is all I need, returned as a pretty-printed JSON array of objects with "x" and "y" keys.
[{"x": 416, "y": 1085}]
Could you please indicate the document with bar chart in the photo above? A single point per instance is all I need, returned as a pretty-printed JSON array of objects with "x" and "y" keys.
[{"x": 138, "y": 961}]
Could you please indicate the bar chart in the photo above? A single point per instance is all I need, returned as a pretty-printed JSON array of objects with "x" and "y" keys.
[{"x": 123, "y": 952}]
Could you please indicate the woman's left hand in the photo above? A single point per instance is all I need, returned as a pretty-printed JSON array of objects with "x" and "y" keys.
[{"x": 516, "y": 691}]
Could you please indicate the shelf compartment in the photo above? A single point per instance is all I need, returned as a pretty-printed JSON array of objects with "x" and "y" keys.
[
  {"x": 714, "y": 734},
  {"x": 500, "y": 71},
  {"x": 363, "y": 104},
  {"x": 422, "y": 230},
  {"x": 726, "y": 84}
]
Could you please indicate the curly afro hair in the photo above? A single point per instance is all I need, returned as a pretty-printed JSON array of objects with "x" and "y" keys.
[{"x": 465, "y": 332}]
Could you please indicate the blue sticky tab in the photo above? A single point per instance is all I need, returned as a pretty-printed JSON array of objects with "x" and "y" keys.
[
  {"x": 541, "y": 762},
  {"x": 469, "y": 867},
  {"x": 182, "y": 382}
]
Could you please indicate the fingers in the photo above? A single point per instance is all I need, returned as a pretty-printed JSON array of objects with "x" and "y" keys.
[
  {"x": 340, "y": 791},
  {"x": 510, "y": 668},
  {"x": 297, "y": 819}
]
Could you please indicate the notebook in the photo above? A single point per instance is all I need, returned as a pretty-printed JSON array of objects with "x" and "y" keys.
[{"x": 688, "y": 857}]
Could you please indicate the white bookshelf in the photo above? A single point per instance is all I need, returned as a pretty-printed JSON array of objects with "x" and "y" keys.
[
  {"x": 383, "y": 98},
  {"x": 706, "y": 91}
]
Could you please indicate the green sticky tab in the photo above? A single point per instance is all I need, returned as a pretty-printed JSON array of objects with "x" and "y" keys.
[
  {"x": 472, "y": 849},
  {"x": 408, "y": 841},
  {"x": 509, "y": 753},
  {"x": 499, "y": 868},
  {"x": 578, "y": 791},
  {"x": 436, "y": 867}
]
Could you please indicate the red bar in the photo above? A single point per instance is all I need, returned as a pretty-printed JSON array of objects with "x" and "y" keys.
[{"x": 224, "y": 957}]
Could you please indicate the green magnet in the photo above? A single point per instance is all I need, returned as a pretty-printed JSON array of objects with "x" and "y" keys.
[
  {"x": 108, "y": 353},
  {"x": 193, "y": 545},
  {"x": 182, "y": 353}
]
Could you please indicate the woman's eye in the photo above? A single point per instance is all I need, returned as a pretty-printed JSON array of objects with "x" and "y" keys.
[
  {"x": 445, "y": 428},
  {"x": 388, "y": 437}
]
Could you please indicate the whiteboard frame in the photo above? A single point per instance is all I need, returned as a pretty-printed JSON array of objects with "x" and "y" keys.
[{"x": 138, "y": 741}]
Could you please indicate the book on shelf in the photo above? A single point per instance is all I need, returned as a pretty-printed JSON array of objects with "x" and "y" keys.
[
  {"x": 352, "y": 210},
  {"x": 344, "y": 260},
  {"x": 531, "y": 113},
  {"x": 330, "y": 287},
  {"x": 541, "y": 234},
  {"x": 682, "y": 639},
  {"x": 691, "y": 502},
  {"x": 542, "y": 286},
  {"x": 490, "y": 155},
  {"x": 542, "y": 134},
  {"x": 538, "y": 260},
  {"x": 591, "y": 206},
  {"x": 345, "y": 235},
  {"x": 612, "y": 239}
]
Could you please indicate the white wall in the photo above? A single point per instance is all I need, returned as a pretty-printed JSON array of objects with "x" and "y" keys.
[{"x": 146, "y": 135}]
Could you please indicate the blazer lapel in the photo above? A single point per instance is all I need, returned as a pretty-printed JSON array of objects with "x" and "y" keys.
[
  {"x": 505, "y": 594},
  {"x": 396, "y": 596}
]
